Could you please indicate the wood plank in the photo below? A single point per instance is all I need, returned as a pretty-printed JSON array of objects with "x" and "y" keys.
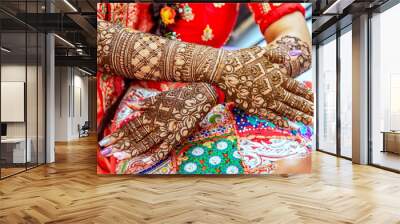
[{"x": 70, "y": 191}]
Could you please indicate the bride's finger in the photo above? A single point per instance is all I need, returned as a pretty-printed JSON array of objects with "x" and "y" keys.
[
  {"x": 296, "y": 102},
  {"x": 122, "y": 145},
  {"x": 298, "y": 88},
  {"x": 112, "y": 138},
  {"x": 292, "y": 53},
  {"x": 291, "y": 113},
  {"x": 127, "y": 144},
  {"x": 136, "y": 129},
  {"x": 273, "y": 117}
]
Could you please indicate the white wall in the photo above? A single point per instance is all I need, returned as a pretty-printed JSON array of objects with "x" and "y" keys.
[
  {"x": 33, "y": 127},
  {"x": 61, "y": 103},
  {"x": 16, "y": 73},
  {"x": 71, "y": 94},
  {"x": 80, "y": 89},
  {"x": 12, "y": 73}
]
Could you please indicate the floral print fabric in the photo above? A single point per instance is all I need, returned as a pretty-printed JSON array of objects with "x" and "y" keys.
[{"x": 228, "y": 141}]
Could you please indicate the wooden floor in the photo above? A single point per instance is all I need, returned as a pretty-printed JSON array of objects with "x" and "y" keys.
[
  {"x": 10, "y": 171},
  {"x": 69, "y": 191},
  {"x": 386, "y": 159}
]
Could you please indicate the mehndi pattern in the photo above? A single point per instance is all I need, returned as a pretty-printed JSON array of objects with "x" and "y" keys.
[
  {"x": 167, "y": 120},
  {"x": 259, "y": 80}
]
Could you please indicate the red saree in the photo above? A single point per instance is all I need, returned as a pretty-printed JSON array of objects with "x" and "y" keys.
[{"x": 228, "y": 140}]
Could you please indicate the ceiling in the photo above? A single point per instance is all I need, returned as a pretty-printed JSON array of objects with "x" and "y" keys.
[
  {"x": 329, "y": 16},
  {"x": 75, "y": 22}
]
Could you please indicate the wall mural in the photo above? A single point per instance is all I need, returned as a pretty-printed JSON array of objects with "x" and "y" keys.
[{"x": 174, "y": 97}]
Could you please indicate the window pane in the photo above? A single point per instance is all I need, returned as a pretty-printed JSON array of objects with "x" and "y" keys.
[
  {"x": 31, "y": 97},
  {"x": 14, "y": 153},
  {"x": 346, "y": 94},
  {"x": 23, "y": 85},
  {"x": 385, "y": 84},
  {"x": 327, "y": 97}
]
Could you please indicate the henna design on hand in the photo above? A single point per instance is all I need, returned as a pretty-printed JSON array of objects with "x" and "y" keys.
[
  {"x": 167, "y": 120},
  {"x": 145, "y": 56},
  {"x": 259, "y": 80}
]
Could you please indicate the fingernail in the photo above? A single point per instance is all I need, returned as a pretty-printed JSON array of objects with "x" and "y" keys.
[
  {"x": 106, "y": 151},
  {"x": 105, "y": 141},
  {"x": 295, "y": 52},
  {"x": 121, "y": 155}
]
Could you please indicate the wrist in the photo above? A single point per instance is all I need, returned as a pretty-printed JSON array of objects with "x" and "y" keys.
[
  {"x": 233, "y": 66},
  {"x": 187, "y": 62},
  {"x": 210, "y": 91},
  {"x": 106, "y": 32}
]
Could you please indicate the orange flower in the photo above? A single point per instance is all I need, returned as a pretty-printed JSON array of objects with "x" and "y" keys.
[{"x": 168, "y": 15}]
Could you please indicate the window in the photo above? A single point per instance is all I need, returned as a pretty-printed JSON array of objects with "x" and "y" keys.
[
  {"x": 385, "y": 89},
  {"x": 327, "y": 96},
  {"x": 346, "y": 93},
  {"x": 22, "y": 75}
]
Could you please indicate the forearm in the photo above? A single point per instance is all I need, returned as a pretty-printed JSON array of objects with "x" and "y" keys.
[
  {"x": 143, "y": 56},
  {"x": 293, "y": 24},
  {"x": 257, "y": 79}
]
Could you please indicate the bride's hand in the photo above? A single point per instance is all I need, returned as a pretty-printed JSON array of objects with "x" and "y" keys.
[
  {"x": 167, "y": 120},
  {"x": 259, "y": 80}
]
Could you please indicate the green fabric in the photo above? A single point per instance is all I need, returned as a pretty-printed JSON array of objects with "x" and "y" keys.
[{"x": 219, "y": 157}]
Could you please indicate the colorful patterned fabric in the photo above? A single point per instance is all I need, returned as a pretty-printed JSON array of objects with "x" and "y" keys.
[
  {"x": 216, "y": 156},
  {"x": 202, "y": 29},
  {"x": 135, "y": 16},
  {"x": 228, "y": 141},
  {"x": 109, "y": 88}
]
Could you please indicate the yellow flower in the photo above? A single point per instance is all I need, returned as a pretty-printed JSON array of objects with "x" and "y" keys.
[
  {"x": 207, "y": 34},
  {"x": 167, "y": 15}
]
